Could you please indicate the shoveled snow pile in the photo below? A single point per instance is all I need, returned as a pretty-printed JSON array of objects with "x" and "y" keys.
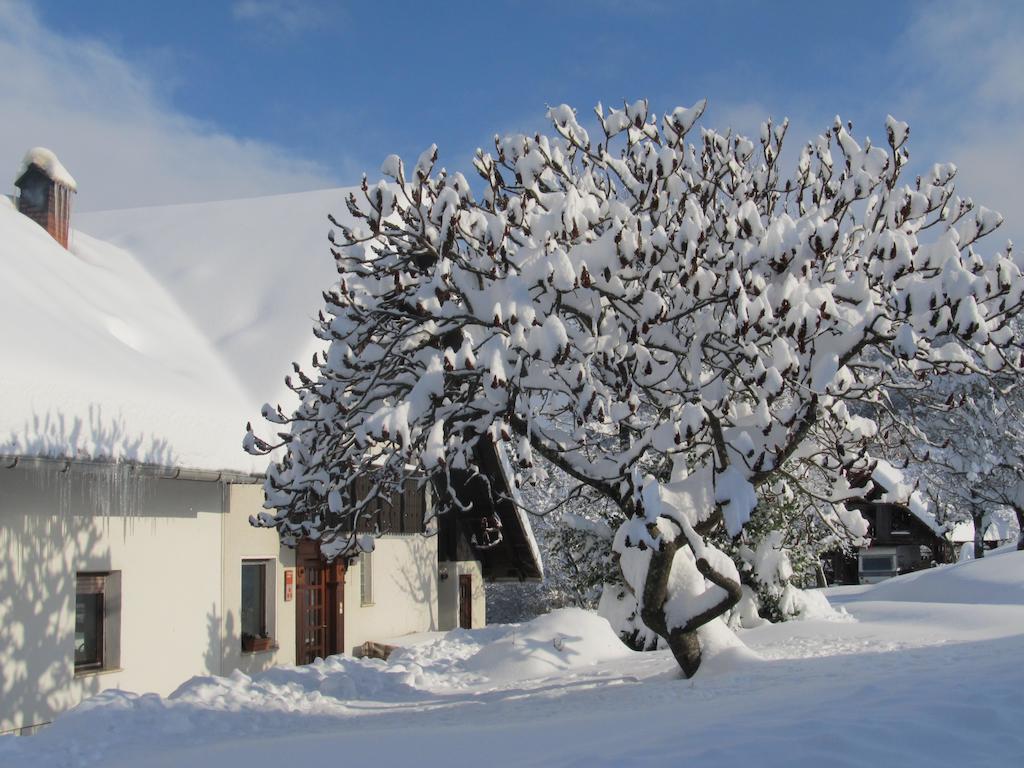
[
  {"x": 100, "y": 362},
  {"x": 909, "y": 681}
]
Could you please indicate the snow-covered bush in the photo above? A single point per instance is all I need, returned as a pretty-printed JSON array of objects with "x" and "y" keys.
[
  {"x": 657, "y": 312},
  {"x": 778, "y": 553},
  {"x": 574, "y": 528}
]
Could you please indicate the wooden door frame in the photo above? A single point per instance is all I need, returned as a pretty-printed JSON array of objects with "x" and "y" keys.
[
  {"x": 466, "y": 606},
  {"x": 336, "y": 606},
  {"x": 332, "y": 584}
]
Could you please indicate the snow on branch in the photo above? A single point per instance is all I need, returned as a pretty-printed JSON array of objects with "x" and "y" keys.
[{"x": 642, "y": 301}]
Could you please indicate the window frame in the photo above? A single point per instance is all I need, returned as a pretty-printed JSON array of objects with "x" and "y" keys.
[
  {"x": 266, "y": 639},
  {"x": 92, "y": 583},
  {"x": 366, "y": 579},
  {"x": 108, "y": 629}
]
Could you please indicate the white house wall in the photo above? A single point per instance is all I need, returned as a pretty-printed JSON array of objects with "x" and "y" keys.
[
  {"x": 243, "y": 542},
  {"x": 177, "y": 547},
  {"x": 163, "y": 536},
  {"x": 448, "y": 595},
  {"x": 404, "y": 591}
]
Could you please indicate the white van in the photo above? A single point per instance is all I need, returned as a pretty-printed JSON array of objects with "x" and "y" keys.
[{"x": 877, "y": 564}]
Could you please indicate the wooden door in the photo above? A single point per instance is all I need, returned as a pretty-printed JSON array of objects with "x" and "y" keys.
[
  {"x": 336, "y": 607},
  {"x": 311, "y": 616},
  {"x": 319, "y": 605},
  {"x": 466, "y": 601}
]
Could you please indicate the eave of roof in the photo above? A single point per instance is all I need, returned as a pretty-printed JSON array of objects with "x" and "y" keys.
[
  {"x": 515, "y": 525},
  {"x": 65, "y": 464}
]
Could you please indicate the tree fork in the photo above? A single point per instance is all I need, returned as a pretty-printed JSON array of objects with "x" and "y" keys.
[{"x": 682, "y": 641}]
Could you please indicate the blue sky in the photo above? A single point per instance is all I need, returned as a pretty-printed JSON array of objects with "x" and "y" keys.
[
  {"x": 346, "y": 83},
  {"x": 222, "y": 99}
]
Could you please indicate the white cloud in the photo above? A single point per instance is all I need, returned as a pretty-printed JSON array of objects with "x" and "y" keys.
[
  {"x": 290, "y": 16},
  {"x": 964, "y": 96},
  {"x": 124, "y": 145}
]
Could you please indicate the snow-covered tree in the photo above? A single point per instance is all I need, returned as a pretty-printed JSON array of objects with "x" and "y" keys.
[
  {"x": 964, "y": 441},
  {"x": 655, "y": 311},
  {"x": 574, "y": 527}
]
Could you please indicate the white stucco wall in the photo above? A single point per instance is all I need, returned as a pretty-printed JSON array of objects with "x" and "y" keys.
[
  {"x": 164, "y": 539},
  {"x": 243, "y": 542},
  {"x": 177, "y": 548},
  {"x": 448, "y": 595},
  {"x": 404, "y": 591}
]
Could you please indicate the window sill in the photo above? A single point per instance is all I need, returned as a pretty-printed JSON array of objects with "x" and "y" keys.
[
  {"x": 260, "y": 649},
  {"x": 101, "y": 671},
  {"x": 366, "y": 605}
]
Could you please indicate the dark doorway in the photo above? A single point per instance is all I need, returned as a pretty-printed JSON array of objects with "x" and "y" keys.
[
  {"x": 319, "y": 605},
  {"x": 466, "y": 601}
]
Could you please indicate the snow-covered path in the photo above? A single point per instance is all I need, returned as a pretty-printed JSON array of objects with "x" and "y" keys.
[{"x": 926, "y": 672}]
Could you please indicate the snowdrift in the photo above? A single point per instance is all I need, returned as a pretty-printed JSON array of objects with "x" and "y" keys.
[
  {"x": 996, "y": 579},
  {"x": 895, "y": 687},
  {"x": 560, "y": 641}
]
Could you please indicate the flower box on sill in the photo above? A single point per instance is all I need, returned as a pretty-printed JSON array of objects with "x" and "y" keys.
[{"x": 255, "y": 644}]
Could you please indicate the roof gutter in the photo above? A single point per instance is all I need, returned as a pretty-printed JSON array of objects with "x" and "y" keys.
[{"x": 140, "y": 469}]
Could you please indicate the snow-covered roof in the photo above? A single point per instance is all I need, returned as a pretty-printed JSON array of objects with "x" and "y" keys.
[
  {"x": 47, "y": 162},
  {"x": 101, "y": 363},
  {"x": 898, "y": 491},
  {"x": 997, "y": 530},
  {"x": 249, "y": 273},
  {"x": 510, "y": 480}
]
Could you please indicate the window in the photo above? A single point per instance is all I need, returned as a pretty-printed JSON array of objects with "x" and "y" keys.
[
  {"x": 899, "y": 522},
  {"x": 257, "y": 605},
  {"x": 97, "y": 621},
  {"x": 366, "y": 578},
  {"x": 878, "y": 564}
]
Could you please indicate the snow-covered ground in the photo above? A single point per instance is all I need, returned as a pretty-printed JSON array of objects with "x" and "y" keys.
[{"x": 922, "y": 670}]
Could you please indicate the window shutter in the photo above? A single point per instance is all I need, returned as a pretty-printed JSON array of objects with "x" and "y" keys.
[
  {"x": 366, "y": 578},
  {"x": 414, "y": 506},
  {"x": 368, "y": 518}
]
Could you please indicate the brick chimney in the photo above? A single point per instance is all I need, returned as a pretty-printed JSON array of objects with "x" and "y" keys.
[{"x": 45, "y": 188}]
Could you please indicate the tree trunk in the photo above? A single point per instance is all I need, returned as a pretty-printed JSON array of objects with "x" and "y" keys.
[
  {"x": 1019, "y": 511},
  {"x": 682, "y": 641},
  {"x": 979, "y": 533},
  {"x": 685, "y": 647}
]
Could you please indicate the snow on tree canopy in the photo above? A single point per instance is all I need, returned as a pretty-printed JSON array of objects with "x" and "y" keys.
[
  {"x": 646, "y": 304},
  {"x": 48, "y": 163}
]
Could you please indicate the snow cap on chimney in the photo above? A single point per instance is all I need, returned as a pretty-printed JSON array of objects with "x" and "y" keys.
[{"x": 47, "y": 162}]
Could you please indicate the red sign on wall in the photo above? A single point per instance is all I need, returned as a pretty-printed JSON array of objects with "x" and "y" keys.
[{"x": 289, "y": 584}]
